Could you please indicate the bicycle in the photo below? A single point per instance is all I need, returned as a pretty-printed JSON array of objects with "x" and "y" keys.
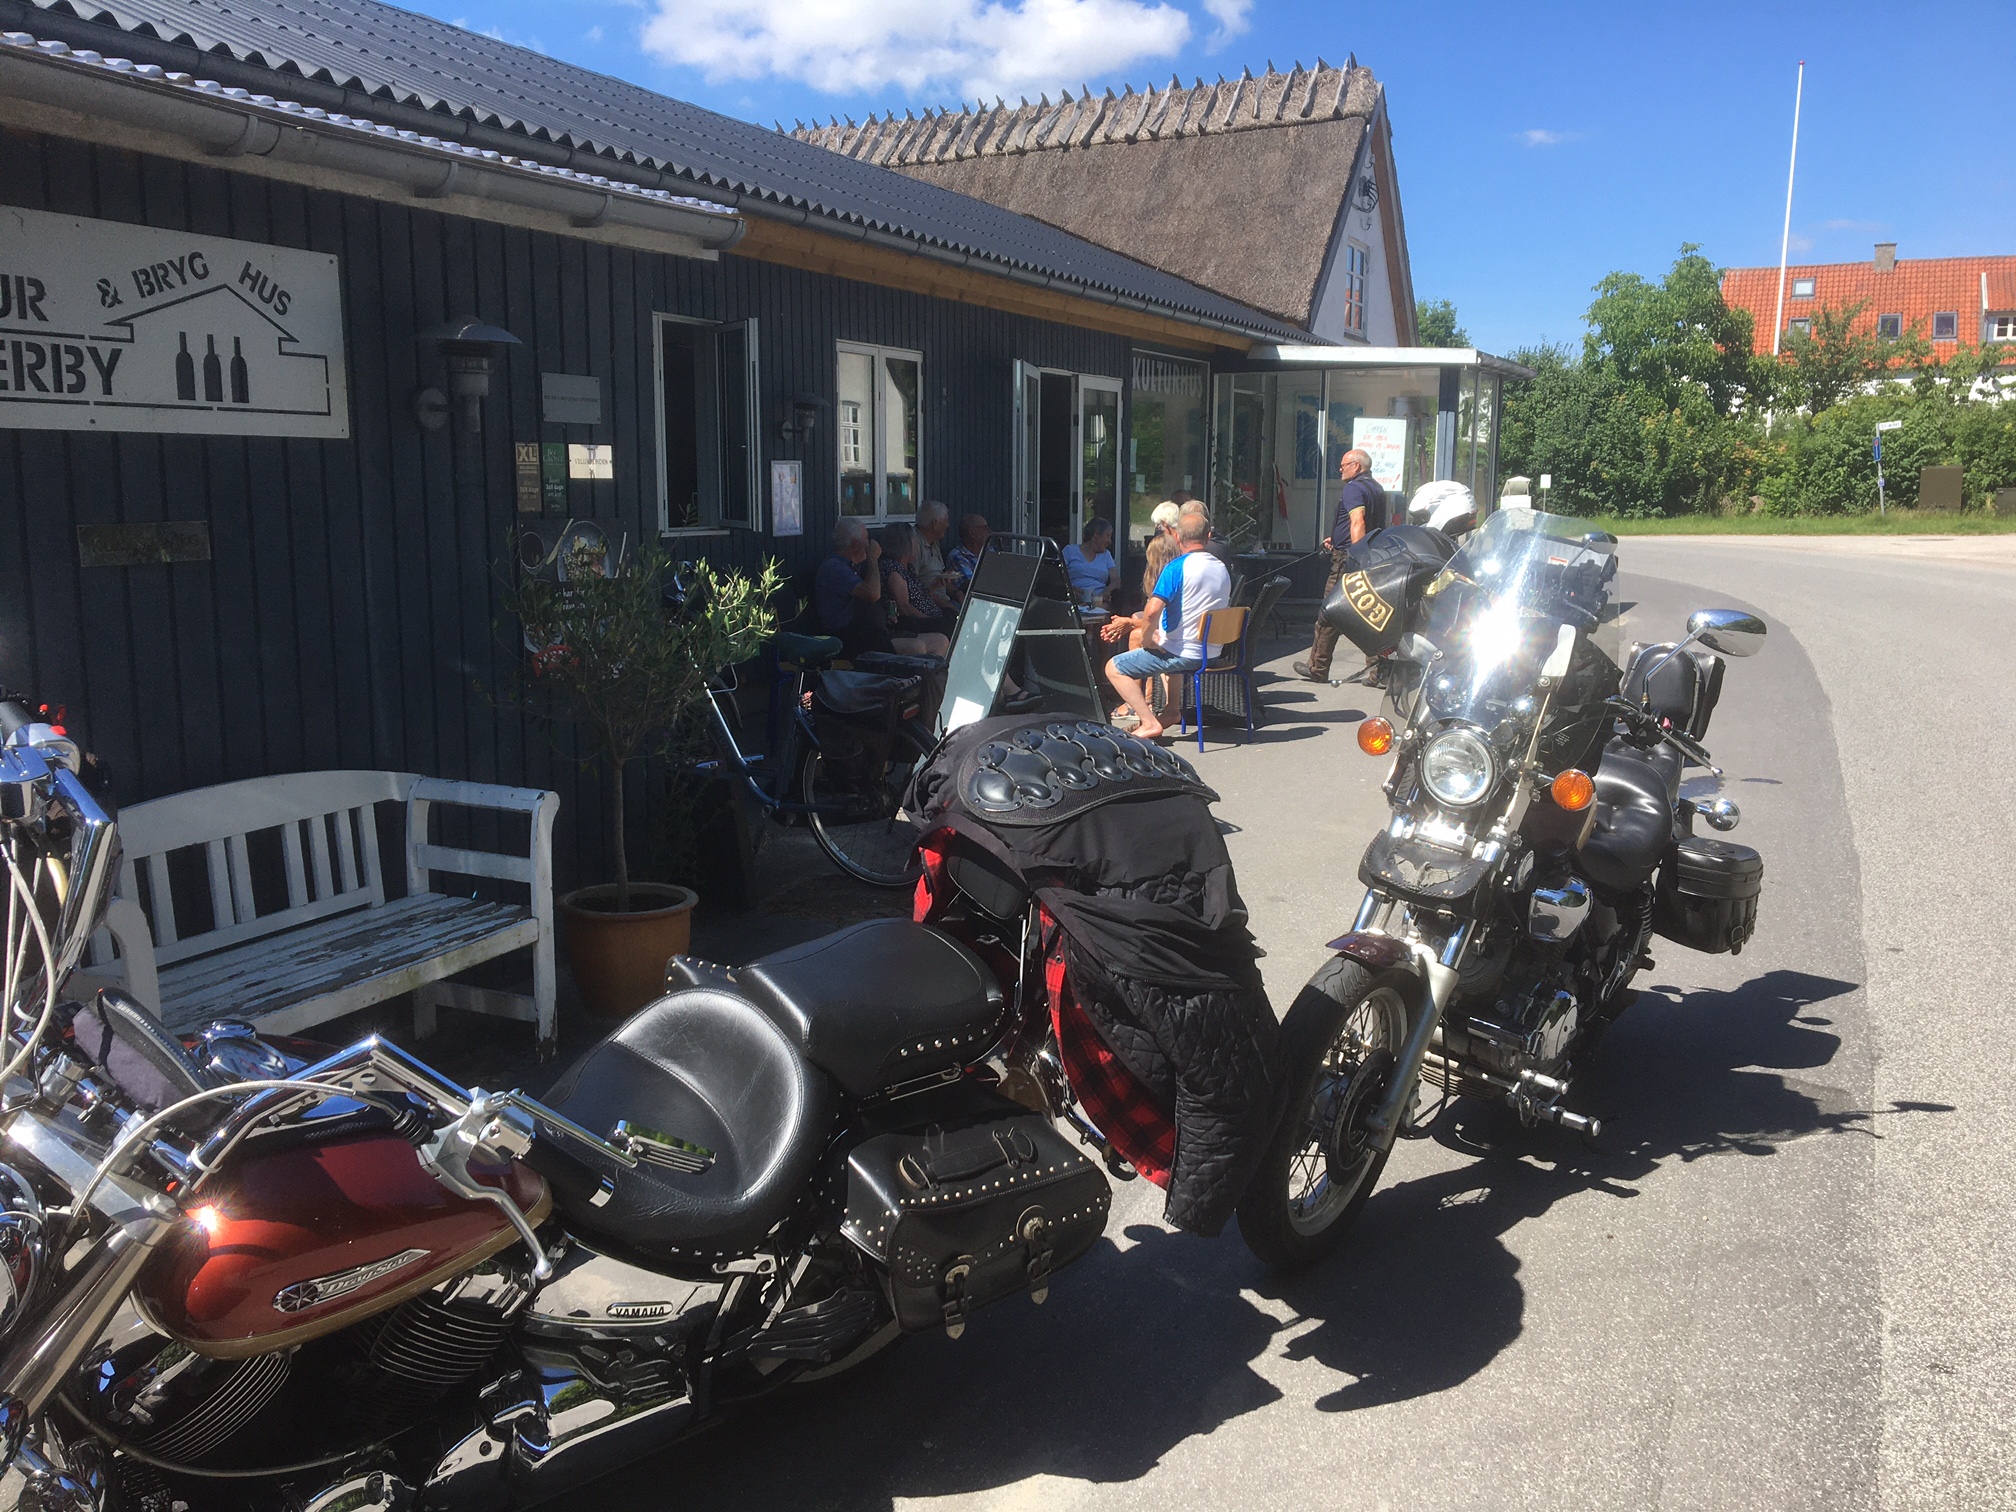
[{"x": 856, "y": 816}]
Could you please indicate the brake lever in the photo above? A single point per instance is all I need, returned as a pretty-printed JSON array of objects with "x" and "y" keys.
[{"x": 493, "y": 1129}]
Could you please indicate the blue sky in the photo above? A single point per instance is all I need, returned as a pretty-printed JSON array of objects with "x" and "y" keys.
[{"x": 1538, "y": 147}]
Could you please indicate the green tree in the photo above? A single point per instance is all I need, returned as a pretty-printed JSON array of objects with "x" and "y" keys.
[
  {"x": 1676, "y": 339},
  {"x": 1656, "y": 414},
  {"x": 1435, "y": 324},
  {"x": 1839, "y": 356}
]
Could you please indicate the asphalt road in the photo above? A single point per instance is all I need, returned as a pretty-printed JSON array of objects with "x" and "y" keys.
[{"x": 1781, "y": 1280}]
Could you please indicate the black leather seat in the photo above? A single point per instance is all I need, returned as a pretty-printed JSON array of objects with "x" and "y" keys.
[
  {"x": 1634, "y": 817},
  {"x": 879, "y": 1004},
  {"x": 705, "y": 1067}
]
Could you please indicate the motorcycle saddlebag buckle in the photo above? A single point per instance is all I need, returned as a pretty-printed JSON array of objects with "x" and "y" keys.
[
  {"x": 964, "y": 1217},
  {"x": 1707, "y": 894}
]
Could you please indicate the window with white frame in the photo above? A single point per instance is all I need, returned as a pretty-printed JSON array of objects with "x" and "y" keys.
[
  {"x": 1890, "y": 327},
  {"x": 2002, "y": 327},
  {"x": 1357, "y": 265},
  {"x": 1801, "y": 324},
  {"x": 707, "y": 445},
  {"x": 1946, "y": 325},
  {"x": 1802, "y": 288},
  {"x": 881, "y": 452}
]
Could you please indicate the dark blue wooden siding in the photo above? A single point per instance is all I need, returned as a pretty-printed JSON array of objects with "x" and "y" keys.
[{"x": 348, "y": 616}]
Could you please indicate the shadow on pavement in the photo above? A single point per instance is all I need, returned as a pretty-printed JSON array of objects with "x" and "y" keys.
[
  {"x": 1426, "y": 1294},
  {"x": 1135, "y": 1352}
]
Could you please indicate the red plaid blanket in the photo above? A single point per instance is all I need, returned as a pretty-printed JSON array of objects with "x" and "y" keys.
[{"x": 1108, "y": 1093}]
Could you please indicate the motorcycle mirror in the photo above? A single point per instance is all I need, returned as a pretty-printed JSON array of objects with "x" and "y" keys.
[{"x": 1733, "y": 632}]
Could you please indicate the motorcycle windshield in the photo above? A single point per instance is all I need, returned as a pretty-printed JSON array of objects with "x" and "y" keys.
[{"x": 1496, "y": 611}]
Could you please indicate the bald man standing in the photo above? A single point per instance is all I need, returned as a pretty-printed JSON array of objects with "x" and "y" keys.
[{"x": 1361, "y": 509}]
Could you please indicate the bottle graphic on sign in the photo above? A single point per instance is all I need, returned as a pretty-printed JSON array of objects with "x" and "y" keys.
[
  {"x": 241, "y": 380},
  {"x": 185, "y": 371},
  {"x": 213, "y": 373}
]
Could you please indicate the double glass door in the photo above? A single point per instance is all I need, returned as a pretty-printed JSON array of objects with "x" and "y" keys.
[{"x": 1067, "y": 451}]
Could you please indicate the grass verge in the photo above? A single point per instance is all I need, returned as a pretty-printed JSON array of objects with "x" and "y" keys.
[{"x": 1898, "y": 522}]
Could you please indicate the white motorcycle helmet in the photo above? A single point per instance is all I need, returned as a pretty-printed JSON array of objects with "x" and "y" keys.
[{"x": 1445, "y": 505}]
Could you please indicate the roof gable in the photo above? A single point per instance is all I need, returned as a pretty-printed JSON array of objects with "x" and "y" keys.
[{"x": 1175, "y": 178}]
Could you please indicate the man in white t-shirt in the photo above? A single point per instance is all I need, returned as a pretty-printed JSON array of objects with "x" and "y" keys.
[{"x": 1190, "y": 587}]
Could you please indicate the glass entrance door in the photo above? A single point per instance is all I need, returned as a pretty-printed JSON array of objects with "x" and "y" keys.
[
  {"x": 1098, "y": 485},
  {"x": 1028, "y": 460}
]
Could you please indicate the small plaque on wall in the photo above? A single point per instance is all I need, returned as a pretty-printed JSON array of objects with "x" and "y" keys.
[
  {"x": 143, "y": 545},
  {"x": 530, "y": 496},
  {"x": 595, "y": 463},
  {"x": 570, "y": 399},
  {"x": 553, "y": 475}
]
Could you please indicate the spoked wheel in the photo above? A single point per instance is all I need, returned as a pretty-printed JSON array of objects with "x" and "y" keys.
[
  {"x": 866, "y": 835},
  {"x": 1338, "y": 1049}
]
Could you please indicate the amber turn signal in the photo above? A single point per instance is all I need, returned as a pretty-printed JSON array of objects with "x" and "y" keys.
[
  {"x": 1375, "y": 736},
  {"x": 1574, "y": 791}
]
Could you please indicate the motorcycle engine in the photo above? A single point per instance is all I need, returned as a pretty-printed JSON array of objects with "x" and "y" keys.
[{"x": 187, "y": 1409}]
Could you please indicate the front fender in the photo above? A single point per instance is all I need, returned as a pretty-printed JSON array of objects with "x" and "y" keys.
[{"x": 1379, "y": 951}]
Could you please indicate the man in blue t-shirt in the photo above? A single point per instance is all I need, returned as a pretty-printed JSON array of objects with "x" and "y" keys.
[
  {"x": 1190, "y": 587},
  {"x": 847, "y": 590},
  {"x": 1361, "y": 509}
]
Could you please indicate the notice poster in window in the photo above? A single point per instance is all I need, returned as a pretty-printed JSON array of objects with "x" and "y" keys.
[
  {"x": 787, "y": 498},
  {"x": 1385, "y": 442}
]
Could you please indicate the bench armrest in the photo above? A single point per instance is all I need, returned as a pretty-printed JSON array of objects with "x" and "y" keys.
[
  {"x": 134, "y": 941},
  {"x": 534, "y": 868}
]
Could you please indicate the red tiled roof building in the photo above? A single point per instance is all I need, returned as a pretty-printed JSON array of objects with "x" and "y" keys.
[{"x": 1947, "y": 300}]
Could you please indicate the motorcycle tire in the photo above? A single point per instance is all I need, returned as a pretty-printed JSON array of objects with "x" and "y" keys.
[{"x": 1337, "y": 1050}]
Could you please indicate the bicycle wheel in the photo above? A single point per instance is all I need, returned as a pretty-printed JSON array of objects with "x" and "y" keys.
[{"x": 866, "y": 835}]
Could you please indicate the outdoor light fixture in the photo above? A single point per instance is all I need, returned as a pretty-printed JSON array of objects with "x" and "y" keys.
[
  {"x": 468, "y": 347},
  {"x": 801, "y": 417}
]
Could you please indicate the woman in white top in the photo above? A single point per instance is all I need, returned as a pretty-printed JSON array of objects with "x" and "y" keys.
[{"x": 1090, "y": 564}]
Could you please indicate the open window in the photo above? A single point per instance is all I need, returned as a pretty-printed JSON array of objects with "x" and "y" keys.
[{"x": 707, "y": 408}]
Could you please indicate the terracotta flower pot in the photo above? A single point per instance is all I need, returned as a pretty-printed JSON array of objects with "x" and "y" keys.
[{"x": 619, "y": 958}]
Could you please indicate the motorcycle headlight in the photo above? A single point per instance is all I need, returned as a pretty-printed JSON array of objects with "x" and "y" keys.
[{"x": 1457, "y": 768}]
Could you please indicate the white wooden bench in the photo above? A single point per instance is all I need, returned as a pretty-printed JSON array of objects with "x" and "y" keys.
[{"x": 337, "y": 944}]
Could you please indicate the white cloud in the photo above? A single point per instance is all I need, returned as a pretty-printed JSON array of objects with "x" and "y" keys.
[
  {"x": 975, "y": 48},
  {"x": 593, "y": 34},
  {"x": 1854, "y": 225},
  {"x": 1231, "y": 16},
  {"x": 1539, "y": 137}
]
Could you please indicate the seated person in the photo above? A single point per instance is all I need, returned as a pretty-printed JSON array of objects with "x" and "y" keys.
[
  {"x": 934, "y": 523},
  {"x": 921, "y": 618},
  {"x": 847, "y": 591},
  {"x": 965, "y": 558},
  {"x": 1090, "y": 565},
  {"x": 1190, "y": 587}
]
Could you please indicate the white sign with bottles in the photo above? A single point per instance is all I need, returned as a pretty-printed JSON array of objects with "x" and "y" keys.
[{"x": 107, "y": 326}]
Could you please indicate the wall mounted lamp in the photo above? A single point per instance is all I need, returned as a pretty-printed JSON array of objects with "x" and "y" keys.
[
  {"x": 801, "y": 417},
  {"x": 469, "y": 348}
]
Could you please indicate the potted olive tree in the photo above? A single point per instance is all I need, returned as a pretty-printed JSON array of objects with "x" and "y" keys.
[{"x": 612, "y": 656}]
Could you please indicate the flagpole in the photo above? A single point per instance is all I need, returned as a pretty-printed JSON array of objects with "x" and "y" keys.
[{"x": 1785, "y": 242}]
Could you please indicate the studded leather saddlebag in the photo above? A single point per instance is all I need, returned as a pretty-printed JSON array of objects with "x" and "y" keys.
[{"x": 964, "y": 1217}]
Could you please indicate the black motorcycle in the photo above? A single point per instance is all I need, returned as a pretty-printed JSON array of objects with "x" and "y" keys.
[{"x": 1538, "y": 841}]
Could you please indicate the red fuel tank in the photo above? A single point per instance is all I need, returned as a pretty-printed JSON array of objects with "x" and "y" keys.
[{"x": 301, "y": 1242}]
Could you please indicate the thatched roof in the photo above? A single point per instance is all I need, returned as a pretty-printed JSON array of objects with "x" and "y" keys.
[{"x": 1235, "y": 185}]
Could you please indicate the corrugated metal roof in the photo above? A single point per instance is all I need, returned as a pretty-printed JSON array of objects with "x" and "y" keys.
[{"x": 417, "y": 60}]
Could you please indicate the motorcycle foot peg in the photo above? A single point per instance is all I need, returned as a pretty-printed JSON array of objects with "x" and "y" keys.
[{"x": 1533, "y": 1080}]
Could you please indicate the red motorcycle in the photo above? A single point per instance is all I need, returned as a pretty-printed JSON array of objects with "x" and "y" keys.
[{"x": 238, "y": 1273}]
